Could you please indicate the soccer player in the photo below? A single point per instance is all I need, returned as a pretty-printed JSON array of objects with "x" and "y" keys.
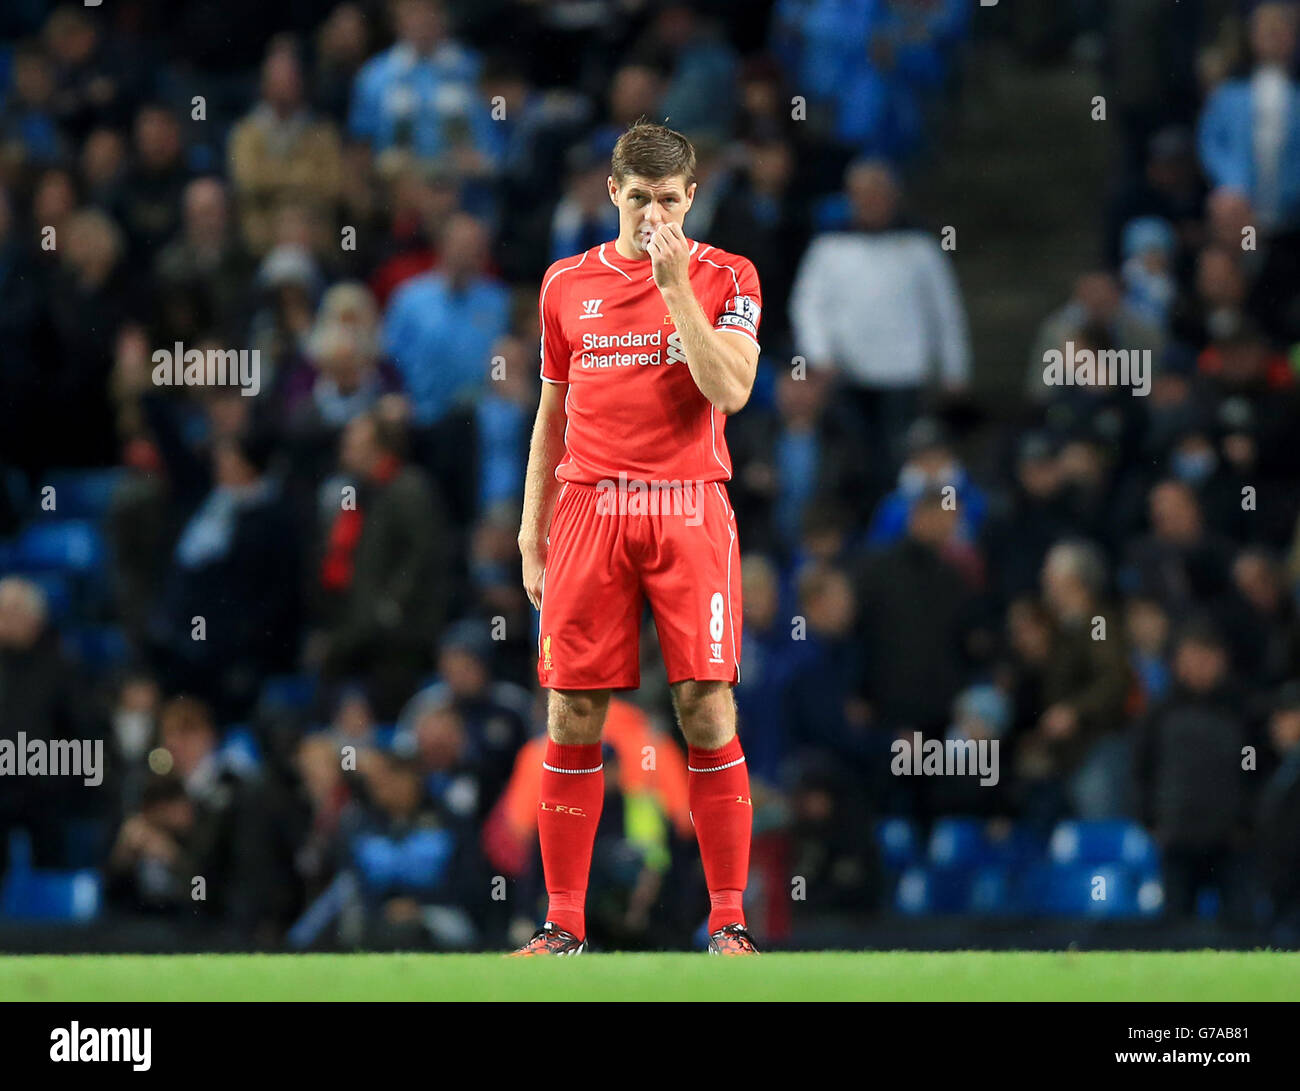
[{"x": 648, "y": 343}]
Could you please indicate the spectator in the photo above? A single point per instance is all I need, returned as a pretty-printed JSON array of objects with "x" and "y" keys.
[
  {"x": 1029, "y": 521},
  {"x": 1148, "y": 271},
  {"x": 288, "y": 284},
  {"x": 415, "y": 862},
  {"x": 881, "y": 305},
  {"x": 1258, "y": 618},
  {"x": 1188, "y": 763},
  {"x": 1170, "y": 188},
  {"x": 503, "y": 424},
  {"x": 192, "y": 825},
  {"x": 21, "y": 329},
  {"x": 103, "y": 165},
  {"x": 36, "y": 702},
  {"x": 27, "y": 118},
  {"x": 229, "y": 613},
  {"x": 1181, "y": 560},
  {"x": 422, "y": 93},
  {"x": 498, "y": 598},
  {"x": 92, "y": 296},
  {"x": 915, "y": 612},
  {"x": 826, "y": 804},
  {"x": 1085, "y": 685},
  {"x": 701, "y": 89},
  {"x": 280, "y": 153},
  {"x": 805, "y": 454},
  {"x": 344, "y": 372},
  {"x": 96, "y": 78},
  {"x": 341, "y": 48},
  {"x": 583, "y": 217},
  {"x": 1278, "y": 814},
  {"x": 981, "y": 714},
  {"x": 1146, "y": 627},
  {"x": 1097, "y": 304},
  {"x": 148, "y": 205},
  {"x": 768, "y": 656},
  {"x": 384, "y": 576},
  {"x": 761, "y": 214},
  {"x": 1250, "y": 129},
  {"x": 440, "y": 326},
  {"x": 493, "y": 715},
  {"x": 931, "y": 463},
  {"x": 202, "y": 275}
]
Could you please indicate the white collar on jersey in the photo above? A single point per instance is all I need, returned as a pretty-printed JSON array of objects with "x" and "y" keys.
[{"x": 605, "y": 261}]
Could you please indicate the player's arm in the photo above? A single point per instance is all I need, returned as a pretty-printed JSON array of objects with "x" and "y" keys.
[
  {"x": 540, "y": 486},
  {"x": 722, "y": 362}
]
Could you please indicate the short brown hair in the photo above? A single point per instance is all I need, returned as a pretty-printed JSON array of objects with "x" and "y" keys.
[{"x": 652, "y": 152}]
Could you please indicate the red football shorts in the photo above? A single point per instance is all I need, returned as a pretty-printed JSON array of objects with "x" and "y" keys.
[{"x": 614, "y": 548}]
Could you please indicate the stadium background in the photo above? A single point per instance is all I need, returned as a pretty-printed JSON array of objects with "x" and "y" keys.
[{"x": 378, "y": 235}]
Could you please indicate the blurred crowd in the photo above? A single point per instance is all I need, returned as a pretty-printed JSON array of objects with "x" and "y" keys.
[{"x": 325, "y": 701}]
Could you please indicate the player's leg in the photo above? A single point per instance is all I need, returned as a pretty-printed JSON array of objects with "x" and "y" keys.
[
  {"x": 571, "y": 793},
  {"x": 591, "y": 612},
  {"x": 692, "y": 580},
  {"x": 720, "y": 804}
]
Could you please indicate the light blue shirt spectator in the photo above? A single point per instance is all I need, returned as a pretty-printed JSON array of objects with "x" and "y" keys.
[
  {"x": 428, "y": 103},
  {"x": 798, "y": 457},
  {"x": 822, "y": 43},
  {"x": 504, "y": 428},
  {"x": 1249, "y": 140},
  {"x": 441, "y": 338}
]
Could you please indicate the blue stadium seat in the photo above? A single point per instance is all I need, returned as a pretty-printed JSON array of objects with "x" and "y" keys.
[
  {"x": 897, "y": 840},
  {"x": 958, "y": 842},
  {"x": 924, "y": 890},
  {"x": 82, "y": 494},
  {"x": 29, "y": 893},
  {"x": 1101, "y": 890},
  {"x": 971, "y": 842},
  {"x": 1104, "y": 841},
  {"x": 72, "y": 545},
  {"x": 384, "y": 735},
  {"x": 990, "y": 891},
  {"x": 985, "y": 891}
]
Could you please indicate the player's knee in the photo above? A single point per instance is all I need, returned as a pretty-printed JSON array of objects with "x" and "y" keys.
[
  {"x": 577, "y": 717},
  {"x": 706, "y": 712}
]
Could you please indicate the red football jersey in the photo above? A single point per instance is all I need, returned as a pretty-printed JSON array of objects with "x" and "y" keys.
[{"x": 632, "y": 404}]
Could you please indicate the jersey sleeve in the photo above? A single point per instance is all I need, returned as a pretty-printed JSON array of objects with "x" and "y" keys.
[
  {"x": 742, "y": 302},
  {"x": 555, "y": 346}
]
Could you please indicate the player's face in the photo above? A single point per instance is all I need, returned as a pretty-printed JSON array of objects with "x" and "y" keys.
[{"x": 645, "y": 205}]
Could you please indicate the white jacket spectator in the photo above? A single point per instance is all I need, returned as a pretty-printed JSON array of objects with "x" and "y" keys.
[{"x": 880, "y": 303}]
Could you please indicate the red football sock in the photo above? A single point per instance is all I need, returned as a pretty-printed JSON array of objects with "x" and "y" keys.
[
  {"x": 724, "y": 819},
  {"x": 572, "y": 793}
]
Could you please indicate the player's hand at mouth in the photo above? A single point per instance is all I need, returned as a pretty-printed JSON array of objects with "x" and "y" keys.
[{"x": 669, "y": 252}]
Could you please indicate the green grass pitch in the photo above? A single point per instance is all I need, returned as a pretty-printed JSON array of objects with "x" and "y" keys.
[{"x": 886, "y": 975}]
